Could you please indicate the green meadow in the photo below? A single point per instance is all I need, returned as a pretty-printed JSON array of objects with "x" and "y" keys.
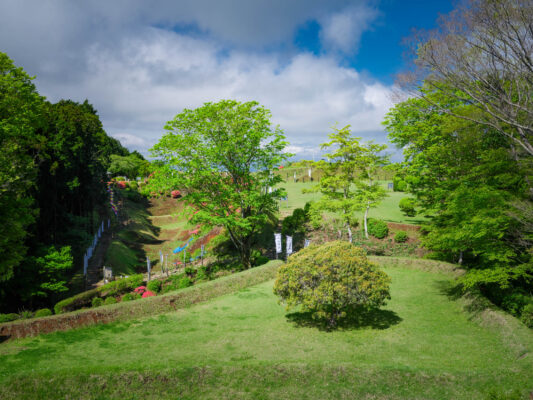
[{"x": 424, "y": 344}]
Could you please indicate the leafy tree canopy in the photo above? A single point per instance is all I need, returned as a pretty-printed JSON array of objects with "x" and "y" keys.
[{"x": 221, "y": 156}]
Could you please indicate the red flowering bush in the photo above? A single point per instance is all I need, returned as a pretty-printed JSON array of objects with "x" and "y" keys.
[
  {"x": 175, "y": 194},
  {"x": 121, "y": 185},
  {"x": 148, "y": 293},
  {"x": 140, "y": 289}
]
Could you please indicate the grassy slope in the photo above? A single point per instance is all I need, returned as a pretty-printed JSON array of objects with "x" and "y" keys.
[
  {"x": 388, "y": 210},
  {"x": 423, "y": 345}
]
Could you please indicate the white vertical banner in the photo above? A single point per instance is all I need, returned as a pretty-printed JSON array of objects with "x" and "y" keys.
[
  {"x": 309, "y": 172},
  {"x": 307, "y": 242},
  {"x": 289, "y": 245},
  {"x": 269, "y": 189},
  {"x": 277, "y": 239},
  {"x": 295, "y": 176}
]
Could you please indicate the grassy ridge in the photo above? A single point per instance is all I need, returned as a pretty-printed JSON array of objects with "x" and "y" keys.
[{"x": 244, "y": 345}]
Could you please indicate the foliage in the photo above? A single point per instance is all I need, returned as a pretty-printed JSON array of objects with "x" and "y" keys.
[
  {"x": 398, "y": 184},
  {"x": 43, "y": 312},
  {"x": 97, "y": 302},
  {"x": 378, "y": 228},
  {"x": 52, "y": 267},
  {"x": 481, "y": 55},
  {"x": 466, "y": 176},
  {"x": 20, "y": 109},
  {"x": 401, "y": 237},
  {"x": 130, "y": 297},
  {"x": 110, "y": 300},
  {"x": 527, "y": 315},
  {"x": 132, "y": 165},
  {"x": 348, "y": 183},
  {"x": 133, "y": 185},
  {"x": 154, "y": 286},
  {"x": 407, "y": 205},
  {"x": 294, "y": 223},
  {"x": 184, "y": 282},
  {"x": 222, "y": 154},
  {"x": 8, "y": 317},
  {"x": 330, "y": 280},
  {"x": 113, "y": 288}
]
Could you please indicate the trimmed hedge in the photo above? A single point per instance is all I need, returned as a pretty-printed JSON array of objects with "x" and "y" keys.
[
  {"x": 43, "y": 312},
  {"x": 111, "y": 289},
  {"x": 8, "y": 317}
]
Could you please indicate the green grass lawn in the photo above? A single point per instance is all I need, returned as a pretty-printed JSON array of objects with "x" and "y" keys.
[
  {"x": 421, "y": 345},
  {"x": 387, "y": 210}
]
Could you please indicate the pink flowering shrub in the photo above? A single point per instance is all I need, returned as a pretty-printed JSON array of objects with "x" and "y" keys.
[
  {"x": 140, "y": 289},
  {"x": 175, "y": 194},
  {"x": 148, "y": 293}
]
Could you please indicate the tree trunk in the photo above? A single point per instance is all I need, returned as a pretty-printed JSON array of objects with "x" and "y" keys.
[{"x": 365, "y": 220}]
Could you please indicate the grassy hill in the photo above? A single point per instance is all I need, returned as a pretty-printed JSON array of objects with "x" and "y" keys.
[{"x": 423, "y": 344}]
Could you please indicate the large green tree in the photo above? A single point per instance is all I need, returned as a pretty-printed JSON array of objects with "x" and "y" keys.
[
  {"x": 465, "y": 179},
  {"x": 221, "y": 155},
  {"x": 20, "y": 110},
  {"x": 348, "y": 183}
]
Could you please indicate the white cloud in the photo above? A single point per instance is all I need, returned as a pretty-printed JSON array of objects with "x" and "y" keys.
[
  {"x": 139, "y": 76},
  {"x": 342, "y": 30}
]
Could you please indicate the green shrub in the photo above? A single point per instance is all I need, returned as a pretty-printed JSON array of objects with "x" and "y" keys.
[
  {"x": 190, "y": 271},
  {"x": 294, "y": 223},
  {"x": 202, "y": 274},
  {"x": 26, "y": 314},
  {"x": 127, "y": 297},
  {"x": 398, "y": 184},
  {"x": 329, "y": 280},
  {"x": 120, "y": 178},
  {"x": 407, "y": 206},
  {"x": 8, "y": 317},
  {"x": 184, "y": 282},
  {"x": 43, "y": 312},
  {"x": 401, "y": 237},
  {"x": 154, "y": 286},
  {"x": 514, "y": 303},
  {"x": 113, "y": 288},
  {"x": 97, "y": 302},
  {"x": 133, "y": 185},
  {"x": 110, "y": 300},
  {"x": 527, "y": 315},
  {"x": 377, "y": 228}
]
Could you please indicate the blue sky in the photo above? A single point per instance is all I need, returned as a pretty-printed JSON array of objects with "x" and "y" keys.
[{"x": 313, "y": 63}]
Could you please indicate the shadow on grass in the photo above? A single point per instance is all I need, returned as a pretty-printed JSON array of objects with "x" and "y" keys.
[
  {"x": 356, "y": 318},
  {"x": 473, "y": 301}
]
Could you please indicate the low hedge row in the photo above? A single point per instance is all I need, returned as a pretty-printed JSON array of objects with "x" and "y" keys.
[{"x": 111, "y": 289}]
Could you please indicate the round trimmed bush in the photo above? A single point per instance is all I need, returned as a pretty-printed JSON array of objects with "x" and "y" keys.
[
  {"x": 97, "y": 302},
  {"x": 331, "y": 280},
  {"x": 377, "y": 228},
  {"x": 401, "y": 237},
  {"x": 110, "y": 300},
  {"x": 407, "y": 206},
  {"x": 43, "y": 312},
  {"x": 154, "y": 286}
]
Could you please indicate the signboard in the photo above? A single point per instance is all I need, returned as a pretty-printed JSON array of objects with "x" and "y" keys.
[
  {"x": 289, "y": 245},
  {"x": 277, "y": 239}
]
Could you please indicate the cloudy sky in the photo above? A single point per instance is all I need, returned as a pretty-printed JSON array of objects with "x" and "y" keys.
[{"x": 311, "y": 62}]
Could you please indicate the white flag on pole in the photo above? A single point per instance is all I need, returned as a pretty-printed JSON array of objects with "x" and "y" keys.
[
  {"x": 277, "y": 239},
  {"x": 289, "y": 245}
]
